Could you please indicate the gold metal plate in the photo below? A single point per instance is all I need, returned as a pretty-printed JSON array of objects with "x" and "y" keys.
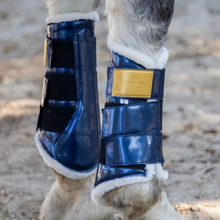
[
  {"x": 45, "y": 52},
  {"x": 132, "y": 83}
]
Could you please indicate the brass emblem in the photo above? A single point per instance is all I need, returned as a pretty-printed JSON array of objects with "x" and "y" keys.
[{"x": 132, "y": 83}]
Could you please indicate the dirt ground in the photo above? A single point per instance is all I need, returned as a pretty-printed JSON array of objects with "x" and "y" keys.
[{"x": 191, "y": 108}]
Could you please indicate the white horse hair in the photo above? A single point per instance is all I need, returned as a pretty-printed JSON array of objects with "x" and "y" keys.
[
  {"x": 56, "y": 7},
  {"x": 142, "y": 201},
  {"x": 71, "y": 199},
  {"x": 138, "y": 27}
]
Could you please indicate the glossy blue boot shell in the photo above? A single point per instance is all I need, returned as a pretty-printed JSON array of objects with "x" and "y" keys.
[
  {"x": 131, "y": 129},
  {"x": 73, "y": 148}
]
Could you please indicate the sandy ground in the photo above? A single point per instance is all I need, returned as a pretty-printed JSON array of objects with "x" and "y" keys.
[{"x": 191, "y": 108}]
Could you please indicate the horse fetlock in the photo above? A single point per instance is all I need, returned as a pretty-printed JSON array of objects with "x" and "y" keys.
[{"x": 133, "y": 201}]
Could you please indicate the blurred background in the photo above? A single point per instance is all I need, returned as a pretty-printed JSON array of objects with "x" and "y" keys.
[{"x": 191, "y": 107}]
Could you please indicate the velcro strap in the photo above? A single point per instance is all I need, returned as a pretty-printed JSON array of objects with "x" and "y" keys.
[
  {"x": 54, "y": 118},
  {"x": 132, "y": 119},
  {"x": 133, "y": 150},
  {"x": 135, "y": 83},
  {"x": 58, "y": 54},
  {"x": 58, "y": 86}
]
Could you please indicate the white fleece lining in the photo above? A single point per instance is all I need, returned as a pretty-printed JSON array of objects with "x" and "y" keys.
[
  {"x": 139, "y": 57},
  {"x": 152, "y": 170},
  {"x": 58, "y": 166},
  {"x": 74, "y": 16}
]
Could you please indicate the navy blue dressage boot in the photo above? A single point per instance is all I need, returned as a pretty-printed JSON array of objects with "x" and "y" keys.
[
  {"x": 68, "y": 130},
  {"x": 131, "y": 145}
]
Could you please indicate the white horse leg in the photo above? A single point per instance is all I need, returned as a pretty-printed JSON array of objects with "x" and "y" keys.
[
  {"x": 56, "y": 7},
  {"x": 137, "y": 31},
  {"x": 71, "y": 200},
  {"x": 143, "y": 201},
  {"x": 132, "y": 202},
  {"x": 141, "y": 26}
]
